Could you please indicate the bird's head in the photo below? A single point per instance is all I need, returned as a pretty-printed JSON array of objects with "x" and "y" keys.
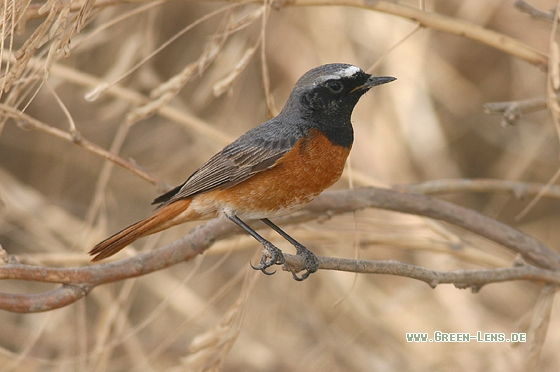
[{"x": 330, "y": 92}]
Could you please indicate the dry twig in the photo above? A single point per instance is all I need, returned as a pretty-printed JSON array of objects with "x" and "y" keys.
[
  {"x": 442, "y": 23},
  {"x": 518, "y": 189},
  {"x": 514, "y": 110},
  {"x": 533, "y": 11},
  {"x": 29, "y": 123}
]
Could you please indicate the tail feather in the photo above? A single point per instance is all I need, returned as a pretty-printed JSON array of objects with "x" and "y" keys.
[{"x": 160, "y": 220}]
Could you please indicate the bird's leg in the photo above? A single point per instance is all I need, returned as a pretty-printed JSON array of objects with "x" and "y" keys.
[
  {"x": 311, "y": 262},
  {"x": 271, "y": 254}
]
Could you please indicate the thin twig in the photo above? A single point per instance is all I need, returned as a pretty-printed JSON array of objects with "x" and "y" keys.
[
  {"x": 533, "y": 11},
  {"x": 426, "y": 19},
  {"x": 442, "y": 23},
  {"x": 169, "y": 112},
  {"x": 29, "y": 123},
  {"x": 519, "y": 190},
  {"x": 32, "y": 12},
  {"x": 514, "y": 110}
]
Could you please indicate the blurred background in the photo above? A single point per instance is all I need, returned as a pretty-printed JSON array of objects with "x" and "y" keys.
[{"x": 215, "y": 313}]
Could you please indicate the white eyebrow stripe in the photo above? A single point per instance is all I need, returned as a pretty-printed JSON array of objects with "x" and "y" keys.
[{"x": 329, "y": 77}]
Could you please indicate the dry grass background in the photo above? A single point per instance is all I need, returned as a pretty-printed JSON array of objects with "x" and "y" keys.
[{"x": 215, "y": 313}]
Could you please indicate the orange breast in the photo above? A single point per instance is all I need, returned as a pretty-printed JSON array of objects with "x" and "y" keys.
[{"x": 312, "y": 165}]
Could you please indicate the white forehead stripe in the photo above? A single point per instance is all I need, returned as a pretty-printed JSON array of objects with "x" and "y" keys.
[{"x": 347, "y": 72}]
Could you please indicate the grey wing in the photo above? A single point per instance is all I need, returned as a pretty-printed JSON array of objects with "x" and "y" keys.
[{"x": 234, "y": 164}]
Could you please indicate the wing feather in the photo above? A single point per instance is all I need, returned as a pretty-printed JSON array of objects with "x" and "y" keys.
[{"x": 234, "y": 164}]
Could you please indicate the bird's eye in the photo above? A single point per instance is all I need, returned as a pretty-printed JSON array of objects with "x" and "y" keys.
[{"x": 334, "y": 85}]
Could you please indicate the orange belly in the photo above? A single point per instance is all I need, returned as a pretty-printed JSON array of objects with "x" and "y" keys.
[{"x": 313, "y": 165}]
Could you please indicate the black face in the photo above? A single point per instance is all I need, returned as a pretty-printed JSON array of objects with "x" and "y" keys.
[
  {"x": 327, "y": 94},
  {"x": 325, "y": 97},
  {"x": 335, "y": 97}
]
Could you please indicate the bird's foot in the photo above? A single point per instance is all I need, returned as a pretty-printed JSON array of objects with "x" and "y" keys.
[
  {"x": 271, "y": 256},
  {"x": 311, "y": 262}
]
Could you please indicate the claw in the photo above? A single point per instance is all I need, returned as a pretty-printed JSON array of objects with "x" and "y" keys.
[
  {"x": 301, "y": 278},
  {"x": 268, "y": 272},
  {"x": 262, "y": 268},
  {"x": 271, "y": 256}
]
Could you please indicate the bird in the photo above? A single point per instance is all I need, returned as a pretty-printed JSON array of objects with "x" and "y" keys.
[{"x": 271, "y": 170}]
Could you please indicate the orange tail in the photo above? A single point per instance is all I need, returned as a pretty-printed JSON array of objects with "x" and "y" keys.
[{"x": 162, "y": 219}]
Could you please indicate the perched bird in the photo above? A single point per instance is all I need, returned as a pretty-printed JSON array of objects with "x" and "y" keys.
[{"x": 271, "y": 170}]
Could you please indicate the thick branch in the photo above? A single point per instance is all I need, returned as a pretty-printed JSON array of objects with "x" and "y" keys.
[
  {"x": 530, "y": 248},
  {"x": 79, "y": 281},
  {"x": 473, "y": 279},
  {"x": 34, "y": 303}
]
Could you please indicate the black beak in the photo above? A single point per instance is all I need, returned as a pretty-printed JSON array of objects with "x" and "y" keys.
[{"x": 374, "y": 81}]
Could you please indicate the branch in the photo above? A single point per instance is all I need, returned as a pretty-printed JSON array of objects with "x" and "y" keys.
[
  {"x": 79, "y": 281},
  {"x": 533, "y": 11},
  {"x": 29, "y": 123},
  {"x": 519, "y": 190},
  {"x": 131, "y": 96},
  {"x": 33, "y": 10},
  {"x": 473, "y": 279},
  {"x": 34, "y": 303},
  {"x": 530, "y": 248},
  {"x": 426, "y": 19},
  {"x": 442, "y": 23},
  {"x": 513, "y": 110}
]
